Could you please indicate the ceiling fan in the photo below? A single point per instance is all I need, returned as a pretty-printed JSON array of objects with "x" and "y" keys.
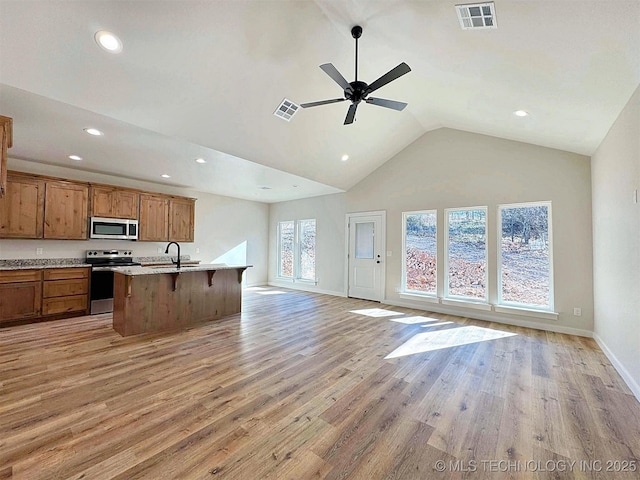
[{"x": 358, "y": 91}]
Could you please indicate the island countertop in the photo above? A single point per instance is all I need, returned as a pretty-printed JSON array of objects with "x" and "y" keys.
[{"x": 151, "y": 270}]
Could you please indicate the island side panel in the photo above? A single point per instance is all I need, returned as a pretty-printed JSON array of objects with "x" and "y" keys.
[{"x": 153, "y": 306}]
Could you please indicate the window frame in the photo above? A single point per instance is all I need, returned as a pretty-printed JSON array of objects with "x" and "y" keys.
[
  {"x": 525, "y": 306},
  {"x": 280, "y": 275},
  {"x": 403, "y": 286},
  {"x": 297, "y": 239},
  {"x": 446, "y": 295}
]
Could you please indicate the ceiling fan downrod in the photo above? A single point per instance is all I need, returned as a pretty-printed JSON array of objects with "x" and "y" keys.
[{"x": 356, "y": 32}]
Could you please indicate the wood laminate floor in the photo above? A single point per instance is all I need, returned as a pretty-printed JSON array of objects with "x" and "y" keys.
[{"x": 303, "y": 386}]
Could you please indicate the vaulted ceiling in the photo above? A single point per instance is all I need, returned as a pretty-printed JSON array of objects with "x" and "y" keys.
[{"x": 203, "y": 78}]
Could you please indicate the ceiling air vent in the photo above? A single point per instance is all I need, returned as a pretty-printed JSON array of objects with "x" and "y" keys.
[
  {"x": 286, "y": 110},
  {"x": 477, "y": 16}
]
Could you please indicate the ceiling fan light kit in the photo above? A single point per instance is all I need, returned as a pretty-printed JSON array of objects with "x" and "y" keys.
[{"x": 358, "y": 91}]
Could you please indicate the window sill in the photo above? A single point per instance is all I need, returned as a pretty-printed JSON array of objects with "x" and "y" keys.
[
  {"x": 527, "y": 312},
  {"x": 307, "y": 281},
  {"x": 467, "y": 304},
  {"x": 420, "y": 297}
]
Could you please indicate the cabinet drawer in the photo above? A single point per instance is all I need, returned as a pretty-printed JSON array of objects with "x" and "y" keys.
[
  {"x": 55, "y": 305},
  {"x": 66, "y": 273},
  {"x": 62, "y": 288},
  {"x": 14, "y": 276}
]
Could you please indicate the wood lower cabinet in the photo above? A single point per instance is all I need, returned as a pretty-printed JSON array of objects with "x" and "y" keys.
[
  {"x": 65, "y": 290},
  {"x": 22, "y": 208},
  {"x": 20, "y": 294},
  {"x": 113, "y": 202},
  {"x": 154, "y": 218},
  {"x": 181, "y": 219},
  {"x": 65, "y": 210}
]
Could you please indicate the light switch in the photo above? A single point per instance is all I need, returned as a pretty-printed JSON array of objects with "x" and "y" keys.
[
  {"x": 389, "y": 253},
  {"x": 38, "y": 251}
]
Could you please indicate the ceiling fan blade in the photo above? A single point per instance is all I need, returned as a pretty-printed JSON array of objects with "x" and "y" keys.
[
  {"x": 381, "y": 102},
  {"x": 351, "y": 114},
  {"x": 337, "y": 77},
  {"x": 322, "y": 102},
  {"x": 390, "y": 76}
]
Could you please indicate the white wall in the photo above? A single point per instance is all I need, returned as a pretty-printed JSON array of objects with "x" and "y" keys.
[
  {"x": 450, "y": 168},
  {"x": 616, "y": 243},
  {"x": 225, "y": 228}
]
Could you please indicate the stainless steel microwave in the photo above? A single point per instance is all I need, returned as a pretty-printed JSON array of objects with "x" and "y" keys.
[{"x": 115, "y": 228}]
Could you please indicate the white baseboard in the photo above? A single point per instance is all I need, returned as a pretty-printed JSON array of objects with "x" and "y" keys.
[
  {"x": 624, "y": 373},
  {"x": 490, "y": 317},
  {"x": 305, "y": 288}
]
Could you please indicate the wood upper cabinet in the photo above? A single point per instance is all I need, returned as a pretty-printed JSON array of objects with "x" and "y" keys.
[
  {"x": 6, "y": 140},
  {"x": 113, "y": 203},
  {"x": 154, "y": 218},
  {"x": 20, "y": 294},
  {"x": 22, "y": 208},
  {"x": 65, "y": 210},
  {"x": 181, "y": 219}
]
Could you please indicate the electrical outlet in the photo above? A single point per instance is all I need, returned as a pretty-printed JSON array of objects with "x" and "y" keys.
[
  {"x": 38, "y": 251},
  {"x": 159, "y": 249},
  {"x": 389, "y": 253},
  {"x": 197, "y": 249},
  {"x": 577, "y": 311}
]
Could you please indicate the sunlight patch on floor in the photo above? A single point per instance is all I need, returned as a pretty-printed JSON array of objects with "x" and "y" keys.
[
  {"x": 452, "y": 337},
  {"x": 376, "y": 312},
  {"x": 414, "y": 320},
  {"x": 436, "y": 324},
  {"x": 271, "y": 292},
  {"x": 255, "y": 289}
]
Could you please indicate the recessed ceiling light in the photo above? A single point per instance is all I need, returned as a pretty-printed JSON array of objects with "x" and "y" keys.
[
  {"x": 93, "y": 131},
  {"x": 345, "y": 157},
  {"x": 200, "y": 160},
  {"x": 108, "y": 41},
  {"x": 521, "y": 113},
  {"x": 164, "y": 175},
  {"x": 75, "y": 157}
]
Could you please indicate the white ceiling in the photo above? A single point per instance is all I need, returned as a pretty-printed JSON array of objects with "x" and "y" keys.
[{"x": 203, "y": 78}]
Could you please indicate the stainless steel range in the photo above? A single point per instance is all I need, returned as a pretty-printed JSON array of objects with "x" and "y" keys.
[{"x": 102, "y": 264}]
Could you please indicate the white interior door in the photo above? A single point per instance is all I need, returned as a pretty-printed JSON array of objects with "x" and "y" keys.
[{"x": 366, "y": 256}]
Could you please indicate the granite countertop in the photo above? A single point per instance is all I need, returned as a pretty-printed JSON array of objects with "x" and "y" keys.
[
  {"x": 37, "y": 263},
  {"x": 134, "y": 271}
]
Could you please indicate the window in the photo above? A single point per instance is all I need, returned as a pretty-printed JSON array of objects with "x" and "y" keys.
[
  {"x": 419, "y": 252},
  {"x": 307, "y": 249},
  {"x": 466, "y": 253},
  {"x": 524, "y": 255},
  {"x": 285, "y": 249},
  {"x": 297, "y": 249}
]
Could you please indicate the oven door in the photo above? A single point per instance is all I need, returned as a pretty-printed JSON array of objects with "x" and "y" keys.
[
  {"x": 110, "y": 228},
  {"x": 101, "y": 290}
]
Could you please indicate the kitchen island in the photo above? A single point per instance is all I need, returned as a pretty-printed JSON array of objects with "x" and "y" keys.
[{"x": 163, "y": 299}]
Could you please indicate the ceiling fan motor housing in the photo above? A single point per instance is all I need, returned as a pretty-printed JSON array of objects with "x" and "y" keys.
[{"x": 358, "y": 91}]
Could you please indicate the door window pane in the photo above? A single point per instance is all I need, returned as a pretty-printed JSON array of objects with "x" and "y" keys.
[
  {"x": 364, "y": 240},
  {"x": 467, "y": 253},
  {"x": 420, "y": 252},
  {"x": 285, "y": 241},
  {"x": 525, "y": 267}
]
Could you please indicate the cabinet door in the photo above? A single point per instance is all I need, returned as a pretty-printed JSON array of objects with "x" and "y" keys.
[
  {"x": 126, "y": 204},
  {"x": 65, "y": 210},
  {"x": 22, "y": 208},
  {"x": 6, "y": 133},
  {"x": 102, "y": 200},
  {"x": 181, "y": 219},
  {"x": 20, "y": 300},
  {"x": 154, "y": 218}
]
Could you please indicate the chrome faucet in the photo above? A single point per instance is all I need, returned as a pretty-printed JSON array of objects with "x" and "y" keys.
[{"x": 167, "y": 251}]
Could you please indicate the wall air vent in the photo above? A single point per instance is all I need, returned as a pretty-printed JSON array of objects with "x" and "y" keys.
[
  {"x": 286, "y": 110},
  {"x": 476, "y": 16}
]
